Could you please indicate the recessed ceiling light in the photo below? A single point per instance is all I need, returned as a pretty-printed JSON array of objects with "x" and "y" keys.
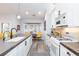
[
  {"x": 18, "y": 17},
  {"x": 39, "y": 12},
  {"x": 26, "y": 12}
]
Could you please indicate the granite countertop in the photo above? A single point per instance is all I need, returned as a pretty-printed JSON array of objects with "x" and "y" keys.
[
  {"x": 6, "y": 47},
  {"x": 72, "y": 46}
]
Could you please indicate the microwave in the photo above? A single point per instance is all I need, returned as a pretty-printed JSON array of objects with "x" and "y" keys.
[{"x": 58, "y": 22}]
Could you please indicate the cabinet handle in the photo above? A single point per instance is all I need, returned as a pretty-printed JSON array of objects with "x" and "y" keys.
[
  {"x": 25, "y": 43},
  {"x": 68, "y": 54}
]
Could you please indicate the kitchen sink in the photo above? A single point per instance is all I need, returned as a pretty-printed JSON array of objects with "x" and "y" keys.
[{"x": 15, "y": 39}]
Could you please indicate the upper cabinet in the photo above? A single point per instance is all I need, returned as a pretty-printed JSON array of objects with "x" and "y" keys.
[
  {"x": 63, "y": 14},
  {"x": 60, "y": 18},
  {"x": 71, "y": 13}
]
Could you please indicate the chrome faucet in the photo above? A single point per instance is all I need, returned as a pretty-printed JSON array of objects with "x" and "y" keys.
[{"x": 11, "y": 36}]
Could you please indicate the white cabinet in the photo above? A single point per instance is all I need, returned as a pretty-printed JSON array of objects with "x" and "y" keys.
[
  {"x": 54, "y": 47},
  {"x": 72, "y": 13},
  {"x": 65, "y": 52},
  {"x": 29, "y": 43},
  {"x": 12, "y": 52},
  {"x": 22, "y": 49},
  {"x": 19, "y": 50},
  {"x": 60, "y": 17}
]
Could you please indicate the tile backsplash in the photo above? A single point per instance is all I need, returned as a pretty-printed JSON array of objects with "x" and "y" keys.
[{"x": 71, "y": 32}]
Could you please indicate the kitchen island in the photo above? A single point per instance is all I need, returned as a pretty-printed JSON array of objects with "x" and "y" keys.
[{"x": 7, "y": 48}]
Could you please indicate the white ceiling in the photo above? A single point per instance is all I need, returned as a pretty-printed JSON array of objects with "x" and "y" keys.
[{"x": 20, "y": 9}]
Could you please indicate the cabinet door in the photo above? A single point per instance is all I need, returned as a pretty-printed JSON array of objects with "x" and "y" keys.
[
  {"x": 13, "y": 52},
  {"x": 29, "y": 43},
  {"x": 22, "y": 49},
  {"x": 65, "y": 52},
  {"x": 72, "y": 16},
  {"x": 62, "y": 51},
  {"x": 19, "y": 50}
]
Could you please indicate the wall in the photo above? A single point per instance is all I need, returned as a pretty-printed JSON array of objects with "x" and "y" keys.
[
  {"x": 23, "y": 21},
  {"x": 49, "y": 18},
  {"x": 73, "y": 33},
  {"x": 11, "y": 19}
]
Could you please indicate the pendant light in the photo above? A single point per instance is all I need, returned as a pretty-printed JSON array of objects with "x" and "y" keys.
[
  {"x": 18, "y": 17},
  {"x": 18, "y": 13},
  {"x": 59, "y": 12}
]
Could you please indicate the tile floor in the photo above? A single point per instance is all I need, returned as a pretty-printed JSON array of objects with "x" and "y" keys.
[{"x": 39, "y": 49}]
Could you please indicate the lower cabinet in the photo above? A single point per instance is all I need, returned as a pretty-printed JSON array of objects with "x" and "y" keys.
[
  {"x": 29, "y": 43},
  {"x": 12, "y": 52},
  {"x": 22, "y": 49},
  {"x": 65, "y": 52}
]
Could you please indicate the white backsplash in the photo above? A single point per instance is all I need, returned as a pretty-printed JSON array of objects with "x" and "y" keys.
[{"x": 71, "y": 33}]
